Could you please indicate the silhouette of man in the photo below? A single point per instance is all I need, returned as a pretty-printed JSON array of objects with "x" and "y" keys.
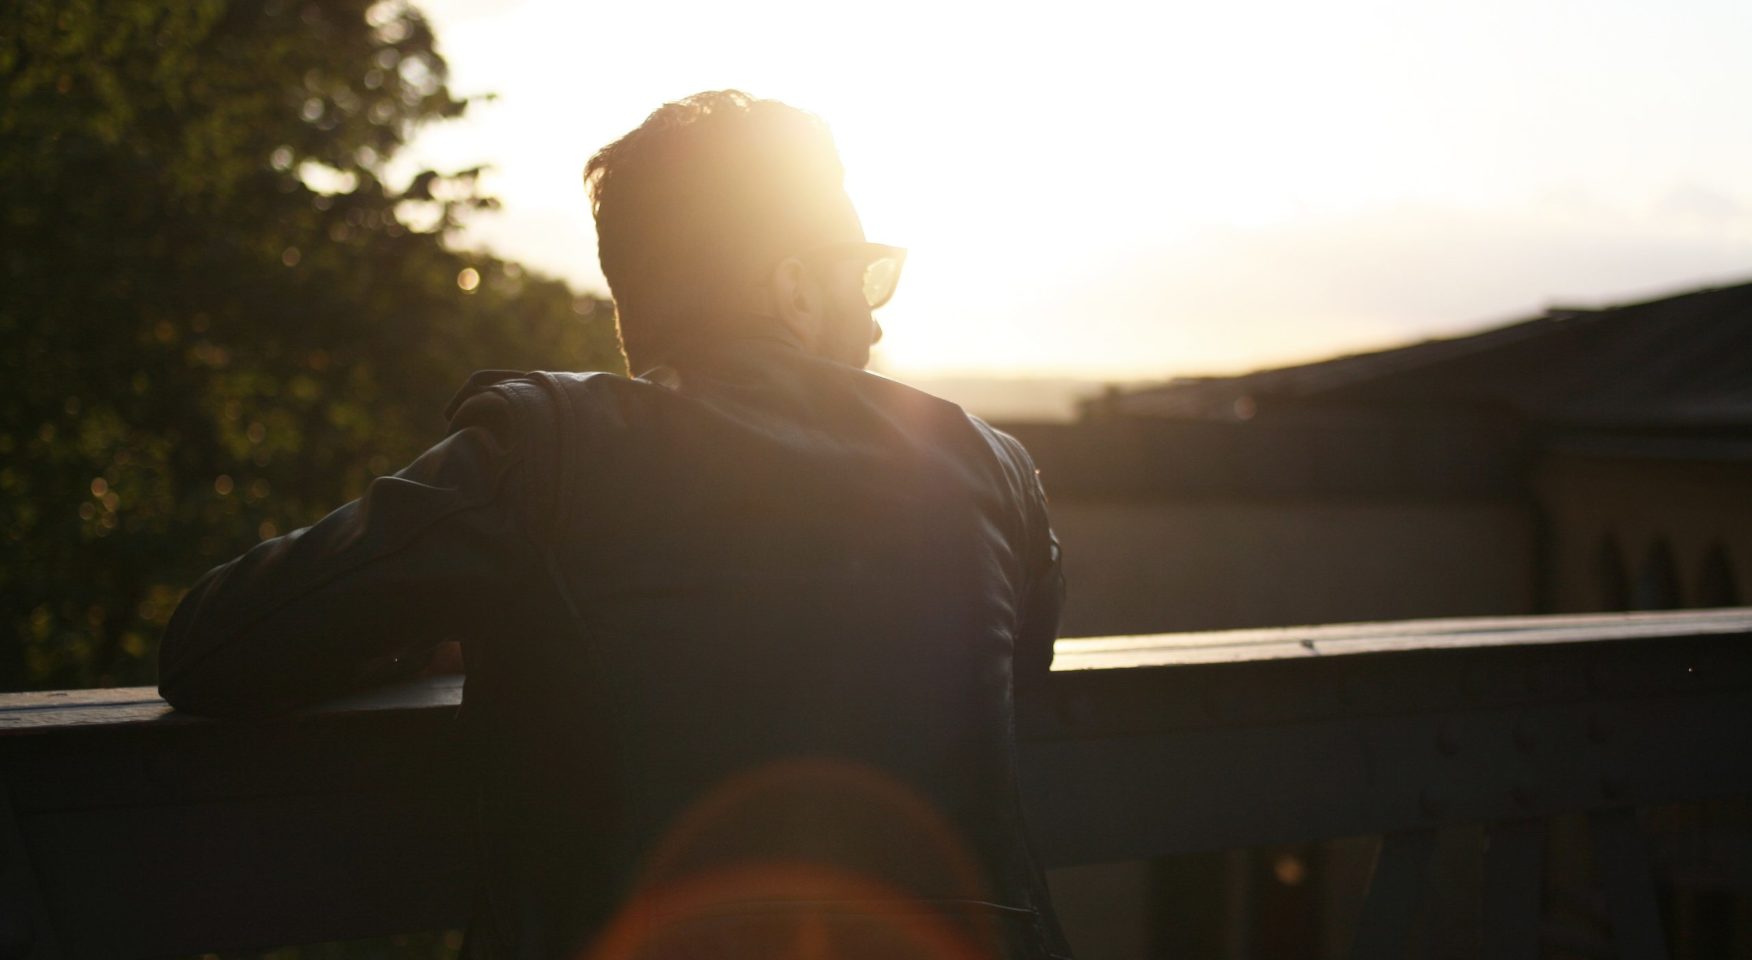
[{"x": 744, "y": 634}]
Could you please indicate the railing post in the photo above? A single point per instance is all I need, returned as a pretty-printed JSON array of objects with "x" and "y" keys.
[
  {"x": 1629, "y": 885},
  {"x": 1514, "y": 863},
  {"x": 25, "y": 933},
  {"x": 1395, "y": 891}
]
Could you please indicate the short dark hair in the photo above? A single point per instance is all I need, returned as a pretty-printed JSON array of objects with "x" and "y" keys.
[{"x": 690, "y": 206}]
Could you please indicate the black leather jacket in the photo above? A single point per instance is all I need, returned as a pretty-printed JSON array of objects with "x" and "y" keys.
[{"x": 743, "y": 638}]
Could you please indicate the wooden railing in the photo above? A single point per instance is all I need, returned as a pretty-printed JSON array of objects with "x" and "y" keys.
[{"x": 128, "y": 830}]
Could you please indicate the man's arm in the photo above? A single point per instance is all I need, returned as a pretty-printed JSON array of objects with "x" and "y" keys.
[
  {"x": 362, "y": 596},
  {"x": 1043, "y": 589},
  {"x": 1043, "y": 602},
  {"x": 1040, "y": 614}
]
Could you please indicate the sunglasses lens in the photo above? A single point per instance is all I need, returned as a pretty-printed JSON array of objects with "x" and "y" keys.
[{"x": 880, "y": 279}]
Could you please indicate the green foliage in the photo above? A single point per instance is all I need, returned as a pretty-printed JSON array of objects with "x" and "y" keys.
[{"x": 198, "y": 348}]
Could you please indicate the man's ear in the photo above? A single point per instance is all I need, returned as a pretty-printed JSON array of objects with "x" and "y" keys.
[{"x": 800, "y": 302}]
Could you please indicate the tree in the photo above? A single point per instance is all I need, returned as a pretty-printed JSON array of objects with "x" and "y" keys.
[{"x": 216, "y": 322}]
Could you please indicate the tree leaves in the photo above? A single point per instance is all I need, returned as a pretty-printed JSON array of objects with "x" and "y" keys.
[{"x": 187, "y": 326}]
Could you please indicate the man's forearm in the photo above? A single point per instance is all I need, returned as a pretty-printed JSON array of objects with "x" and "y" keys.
[{"x": 363, "y": 595}]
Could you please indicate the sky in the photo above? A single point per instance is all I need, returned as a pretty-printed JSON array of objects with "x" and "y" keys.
[{"x": 1144, "y": 190}]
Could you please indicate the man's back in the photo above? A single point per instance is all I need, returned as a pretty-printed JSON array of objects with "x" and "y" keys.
[{"x": 744, "y": 666}]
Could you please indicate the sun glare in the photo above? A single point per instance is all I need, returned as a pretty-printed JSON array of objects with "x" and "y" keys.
[{"x": 1142, "y": 190}]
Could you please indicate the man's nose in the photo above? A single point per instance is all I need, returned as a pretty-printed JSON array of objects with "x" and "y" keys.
[{"x": 875, "y": 331}]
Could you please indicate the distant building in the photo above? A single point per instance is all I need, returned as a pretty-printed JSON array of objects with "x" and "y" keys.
[
  {"x": 1583, "y": 460},
  {"x": 1580, "y": 460}
]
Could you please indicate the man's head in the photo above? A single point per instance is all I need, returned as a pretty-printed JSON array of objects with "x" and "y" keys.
[{"x": 719, "y": 208}]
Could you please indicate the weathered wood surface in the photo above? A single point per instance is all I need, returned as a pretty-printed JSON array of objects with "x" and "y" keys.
[
  {"x": 1329, "y": 640},
  {"x": 26, "y": 713},
  {"x": 350, "y": 819}
]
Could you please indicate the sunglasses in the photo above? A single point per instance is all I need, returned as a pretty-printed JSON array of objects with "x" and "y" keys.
[{"x": 881, "y": 266}]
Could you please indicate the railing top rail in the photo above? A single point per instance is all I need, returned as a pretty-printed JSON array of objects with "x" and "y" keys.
[
  {"x": 1342, "y": 639},
  {"x": 41, "y": 712}
]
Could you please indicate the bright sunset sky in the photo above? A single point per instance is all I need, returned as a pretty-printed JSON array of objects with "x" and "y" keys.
[{"x": 1151, "y": 189}]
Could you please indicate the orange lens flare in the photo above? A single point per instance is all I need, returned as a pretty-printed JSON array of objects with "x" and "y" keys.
[{"x": 807, "y": 858}]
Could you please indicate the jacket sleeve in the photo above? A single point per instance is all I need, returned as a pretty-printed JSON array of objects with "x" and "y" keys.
[
  {"x": 1043, "y": 601},
  {"x": 365, "y": 594},
  {"x": 1043, "y": 587}
]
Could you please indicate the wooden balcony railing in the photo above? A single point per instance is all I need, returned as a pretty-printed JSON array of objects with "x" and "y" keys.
[{"x": 127, "y": 830}]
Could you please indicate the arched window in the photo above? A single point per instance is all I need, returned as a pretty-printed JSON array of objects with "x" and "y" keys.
[
  {"x": 1613, "y": 579},
  {"x": 1717, "y": 586},
  {"x": 1657, "y": 583}
]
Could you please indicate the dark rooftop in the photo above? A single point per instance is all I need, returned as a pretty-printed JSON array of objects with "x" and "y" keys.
[{"x": 1679, "y": 361}]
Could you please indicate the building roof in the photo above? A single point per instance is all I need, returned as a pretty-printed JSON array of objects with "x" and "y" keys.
[{"x": 1678, "y": 361}]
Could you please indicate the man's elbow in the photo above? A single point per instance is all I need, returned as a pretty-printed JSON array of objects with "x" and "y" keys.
[
  {"x": 193, "y": 675},
  {"x": 185, "y": 698},
  {"x": 190, "y": 688}
]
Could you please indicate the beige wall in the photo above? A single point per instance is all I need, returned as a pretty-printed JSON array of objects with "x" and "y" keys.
[
  {"x": 1692, "y": 505},
  {"x": 1215, "y": 563}
]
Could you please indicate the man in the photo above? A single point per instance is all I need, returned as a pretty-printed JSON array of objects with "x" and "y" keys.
[{"x": 742, "y": 634}]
